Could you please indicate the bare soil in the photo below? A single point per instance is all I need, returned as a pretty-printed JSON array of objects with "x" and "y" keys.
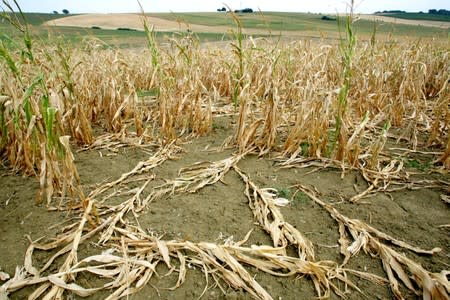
[
  {"x": 221, "y": 211},
  {"x": 135, "y": 21}
]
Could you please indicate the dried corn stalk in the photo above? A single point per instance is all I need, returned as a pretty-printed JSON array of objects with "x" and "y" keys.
[
  {"x": 392, "y": 177},
  {"x": 132, "y": 261},
  {"x": 262, "y": 203},
  {"x": 396, "y": 265},
  {"x": 192, "y": 179},
  {"x": 164, "y": 153}
]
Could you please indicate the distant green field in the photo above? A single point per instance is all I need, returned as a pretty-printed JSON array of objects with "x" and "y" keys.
[
  {"x": 33, "y": 19},
  {"x": 116, "y": 38},
  {"x": 37, "y": 19},
  {"x": 302, "y": 24},
  {"x": 281, "y": 21},
  {"x": 275, "y": 21},
  {"x": 365, "y": 27},
  {"x": 417, "y": 16},
  {"x": 111, "y": 38}
]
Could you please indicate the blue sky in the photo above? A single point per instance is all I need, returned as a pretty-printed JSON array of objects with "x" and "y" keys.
[{"x": 330, "y": 6}]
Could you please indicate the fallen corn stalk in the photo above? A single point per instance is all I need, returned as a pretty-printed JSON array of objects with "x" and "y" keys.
[
  {"x": 396, "y": 265},
  {"x": 194, "y": 178},
  {"x": 132, "y": 261},
  {"x": 261, "y": 202}
]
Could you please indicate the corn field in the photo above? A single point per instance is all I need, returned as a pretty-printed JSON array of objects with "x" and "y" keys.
[{"x": 345, "y": 105}]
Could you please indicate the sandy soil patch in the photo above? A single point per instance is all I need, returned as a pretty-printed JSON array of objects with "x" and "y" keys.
[
  {"x": 132, "y": 21},
  {"x": 113, "y": 21}
]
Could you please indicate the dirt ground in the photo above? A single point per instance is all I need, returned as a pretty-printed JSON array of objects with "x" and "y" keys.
[
  {"x": 134, "y": 21},
  {"x": 220, "y": 211}
]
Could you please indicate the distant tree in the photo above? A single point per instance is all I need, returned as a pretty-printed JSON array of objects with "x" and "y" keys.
[
  {"x": 327, "y": 18},
  {"x": 222, "y": 9},
  {"x": 245, "y": 11},
  {"x": 65, "y": 11},
  {"x": 126, "y": 29},
  {"x": 432, "y": 11},
  {"x": 396, "y": 11},
  {"x": 55, "y": 12}
]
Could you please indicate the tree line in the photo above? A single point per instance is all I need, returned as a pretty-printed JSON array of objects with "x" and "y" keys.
[
  {"x": 64, "y": 11},
  {"x": 245, "y": 10},
  {"x": 443, "y": 12},
  {"x": 430, "y": 11}
]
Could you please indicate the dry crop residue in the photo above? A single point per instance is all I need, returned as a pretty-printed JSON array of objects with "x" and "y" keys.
[{"x": 220, "y": 213}]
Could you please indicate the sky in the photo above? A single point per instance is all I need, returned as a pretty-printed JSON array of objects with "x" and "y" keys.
[{"x": 315, "y": 6}]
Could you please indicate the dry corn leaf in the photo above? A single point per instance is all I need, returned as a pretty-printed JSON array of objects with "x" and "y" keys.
[
  {"x": 281, "y": 201},
  {"x": 73, "y": 287},
  {"x": 164, "y": 252},
  {"x": 445, "y": 198},
  {"x": 4, "y": 276},
  {"x": 28, "y": 263}
]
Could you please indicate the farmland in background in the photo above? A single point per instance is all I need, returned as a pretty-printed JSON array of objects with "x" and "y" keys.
[
  {"x": 296, "y": 25},
  {"x": 418, "y": 16}
]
